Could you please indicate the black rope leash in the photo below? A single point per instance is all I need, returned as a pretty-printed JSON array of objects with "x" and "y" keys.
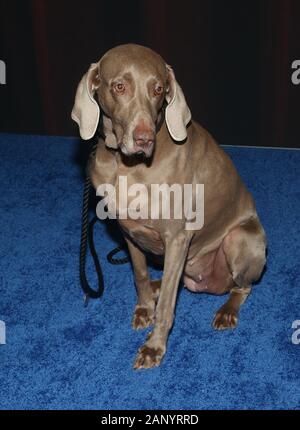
[
  {"x": 87, "y": 239},
  {"x": 116, "y": 261}
]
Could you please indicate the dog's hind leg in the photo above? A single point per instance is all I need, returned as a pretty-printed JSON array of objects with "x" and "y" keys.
[
  {"x": 245, "y": 252},
  {"x": 227, "y": 315}
]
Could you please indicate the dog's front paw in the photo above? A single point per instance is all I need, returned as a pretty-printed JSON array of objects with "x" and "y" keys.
[
  {"x": 143, "y": 317},
  {"x": 148, "y": 357},
  {"x": 225, "y": 318}
]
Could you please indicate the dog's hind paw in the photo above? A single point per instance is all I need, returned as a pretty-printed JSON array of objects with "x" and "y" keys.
[{"x": 225, "y": 318}]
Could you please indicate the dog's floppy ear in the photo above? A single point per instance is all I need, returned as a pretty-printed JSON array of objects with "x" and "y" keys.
[
  {"x": 86, "y": 111},
  {"x": 177, "y": 113}
]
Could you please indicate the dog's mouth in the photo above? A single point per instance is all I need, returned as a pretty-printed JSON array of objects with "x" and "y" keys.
[
  {"x": 145, "y": 149},
  {"x": 139, "y": 149}
]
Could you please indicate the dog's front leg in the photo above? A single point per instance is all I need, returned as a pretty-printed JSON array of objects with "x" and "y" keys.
[
  {"x": 147, "y": 290},
  {"x": 152, "y": 352}
]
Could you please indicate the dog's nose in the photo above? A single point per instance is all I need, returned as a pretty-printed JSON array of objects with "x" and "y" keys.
[{"x": 143, "y": 136}]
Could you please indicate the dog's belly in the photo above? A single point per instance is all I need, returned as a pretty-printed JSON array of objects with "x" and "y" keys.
[
  {"x": 145, "y": 236},
  {"x": 208, "y": 273}
]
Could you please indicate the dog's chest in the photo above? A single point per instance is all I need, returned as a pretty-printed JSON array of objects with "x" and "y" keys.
[
  {"x": 143, "y": 235},
  {"x": 128, "y": 199},
  {"x": 133, "y": 208}
]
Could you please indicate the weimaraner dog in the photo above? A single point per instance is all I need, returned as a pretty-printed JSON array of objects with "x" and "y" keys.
[{"x": 150, "y": 138}]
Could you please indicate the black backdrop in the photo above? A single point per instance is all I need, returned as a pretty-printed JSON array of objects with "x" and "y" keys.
[{"x": 232, "y": 58}]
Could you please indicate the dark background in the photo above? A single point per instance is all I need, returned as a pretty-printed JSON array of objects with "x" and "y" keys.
[{"x": 232, "y": 58}]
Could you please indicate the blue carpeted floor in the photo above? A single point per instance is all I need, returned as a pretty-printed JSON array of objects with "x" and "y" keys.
[{"x": 60, "y": 355}]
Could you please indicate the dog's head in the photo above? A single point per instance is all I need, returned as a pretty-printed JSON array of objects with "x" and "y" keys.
[{"x": 130, "y": 84}]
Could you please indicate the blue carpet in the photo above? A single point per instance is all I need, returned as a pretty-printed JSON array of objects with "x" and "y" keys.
[{"x": 59, "y": 355}]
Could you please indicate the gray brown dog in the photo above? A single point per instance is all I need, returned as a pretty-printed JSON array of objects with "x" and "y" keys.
[{"x": 144, "y": 111}]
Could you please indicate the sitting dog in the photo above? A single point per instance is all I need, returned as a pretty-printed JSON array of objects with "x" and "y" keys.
[{"x": 150, "y": 138}]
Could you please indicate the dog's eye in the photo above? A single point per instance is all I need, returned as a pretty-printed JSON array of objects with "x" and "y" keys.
[
  {"x": 158, "y": 90},
  {"x": 119, "y": 88}
]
